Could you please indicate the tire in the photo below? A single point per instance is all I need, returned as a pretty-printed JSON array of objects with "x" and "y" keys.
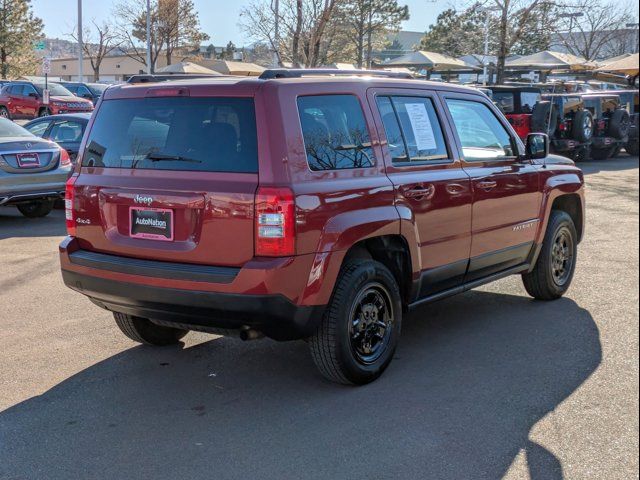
[
  {"x": 616, "y": 151},
  {"x": 45, "y": 112},
  {"x": 552, "y": 275},
  {"x": 544, "y": 118},
  {"x": 581, "y": 154},
  {"x": 146, "y": 332},
  {"x": 619, "y": 124},
  {"x": 342, "y": 347},
  {"x": 582, "y": 127},
  {"x": 4, "y": 113},
  {"x": 36, "y": 209},
  {"x": 602, "y": 153},
  {"x": 632, "y": 147}
]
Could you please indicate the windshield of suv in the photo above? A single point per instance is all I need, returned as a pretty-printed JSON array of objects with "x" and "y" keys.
[
  {"x": 54, "y": 90},
  {"x": 214, "y": 134},
  {"x": 97, "y": 88},
  {"x": 10, "y": 129}
]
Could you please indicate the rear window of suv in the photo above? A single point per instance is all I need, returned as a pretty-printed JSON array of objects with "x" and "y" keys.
[
  {"x": 213, "y": 134},
  {"x": 335, "y": 132}
]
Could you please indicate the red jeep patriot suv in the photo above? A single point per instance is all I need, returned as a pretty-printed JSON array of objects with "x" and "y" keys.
[{"x": 309, "y": 205}]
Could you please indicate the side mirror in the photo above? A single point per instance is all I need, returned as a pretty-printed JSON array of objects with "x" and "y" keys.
[
  {"x": 537, "y": 146},
  {"x": 34, "y": 95}
]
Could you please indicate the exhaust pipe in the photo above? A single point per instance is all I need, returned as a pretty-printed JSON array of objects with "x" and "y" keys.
[{"x": 248, "y": 333}]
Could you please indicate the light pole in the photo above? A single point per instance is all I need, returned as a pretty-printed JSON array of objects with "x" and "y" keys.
[
  {"x": 485, "y": 59},
  {"x": 635, "y": 26},
  {"x": 276, "y": 34},
  {"x": 149, "y": 66},
  {"x": 80, "y": 44}
]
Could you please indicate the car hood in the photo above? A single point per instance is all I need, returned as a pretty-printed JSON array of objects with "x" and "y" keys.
[
  {"x": 69, "y": 99},
  {"x": 555, "y": 160},
  {"x": 27, "y": 144}
]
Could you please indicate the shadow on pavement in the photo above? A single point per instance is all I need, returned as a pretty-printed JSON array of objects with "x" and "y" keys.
[
  {"x": 14, "y": 225},
  {"x": 619, "y": 163},
  {"x": 473, "y": 374}
]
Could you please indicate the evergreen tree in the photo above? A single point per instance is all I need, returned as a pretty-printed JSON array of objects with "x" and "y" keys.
[
  {"x": 19, "y": 30},
  {"x": 368, "y": 22}
]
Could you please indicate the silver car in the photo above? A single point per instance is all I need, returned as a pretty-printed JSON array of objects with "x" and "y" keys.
[{"x": 33, "y": 171}]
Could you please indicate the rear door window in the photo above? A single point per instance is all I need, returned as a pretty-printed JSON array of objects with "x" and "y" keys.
[
  {"x": 214, "y": 134},
  {"x": 335, "y": 132},
  {"x": 413, "y": 129}
]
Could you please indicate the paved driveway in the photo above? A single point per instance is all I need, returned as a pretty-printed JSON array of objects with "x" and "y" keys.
[{"x": 486, "y": 385}]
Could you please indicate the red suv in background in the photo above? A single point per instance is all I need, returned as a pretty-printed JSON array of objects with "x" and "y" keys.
[
  {"x": 25, "y": 100},
  {"x": 303, "y": 205}
]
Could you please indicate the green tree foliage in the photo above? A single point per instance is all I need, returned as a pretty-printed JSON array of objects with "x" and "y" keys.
[
  {"x": 366, "y": 24},
  {"x": 19, "y": 29},
  {"x": 456, "y": 33}
]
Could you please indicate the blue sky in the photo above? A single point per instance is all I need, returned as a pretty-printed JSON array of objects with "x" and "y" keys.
[{"x": 219, "y": 18}]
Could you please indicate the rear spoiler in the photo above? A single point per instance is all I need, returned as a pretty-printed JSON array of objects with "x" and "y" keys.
[{"x": 149, "y": 78}]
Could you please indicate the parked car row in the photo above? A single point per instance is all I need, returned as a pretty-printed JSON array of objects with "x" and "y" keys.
[
  {"x": 588, "y": 124},
  {"x": 26, "y": 100}
]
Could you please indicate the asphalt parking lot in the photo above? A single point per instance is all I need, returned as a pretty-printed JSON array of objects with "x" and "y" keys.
[{"x": 486, "y": 385}]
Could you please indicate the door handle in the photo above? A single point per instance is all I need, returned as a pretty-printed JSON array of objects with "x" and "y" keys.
[
  {"x": 419, "y": 191},
  {"x": 455, "y": 188},
  {"x": 487, "y": 184}
]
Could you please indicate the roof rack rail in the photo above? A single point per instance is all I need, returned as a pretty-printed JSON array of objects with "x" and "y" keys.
[
  {"x": 147, "y": 78},
  {"x": 272, "y": 73}
]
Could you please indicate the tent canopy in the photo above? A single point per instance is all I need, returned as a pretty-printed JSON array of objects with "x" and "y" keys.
[
  {"x": 549, "y": 60},
  {"x": 625, "y": 66},
  {"x": 187, "y": 67},
  {"x": 430, "y": 61},
  {"x": 228, "y": 67}
]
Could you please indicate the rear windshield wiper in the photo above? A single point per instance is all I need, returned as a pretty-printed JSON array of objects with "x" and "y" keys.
[{"x": 161, "y": 157}]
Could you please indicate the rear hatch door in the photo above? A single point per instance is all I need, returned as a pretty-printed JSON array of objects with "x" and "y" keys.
[{"x": 170, "y": 176}]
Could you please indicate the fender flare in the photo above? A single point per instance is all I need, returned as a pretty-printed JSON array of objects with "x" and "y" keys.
[
  {"x": 557, "y": 186},
  {"x": 339, "y": 234}
]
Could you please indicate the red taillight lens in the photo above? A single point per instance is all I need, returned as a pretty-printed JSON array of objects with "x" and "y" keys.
[
  {"x": 275, "y": 222},
  {"x": 65, "y": 160},
  {"x": 69, "y": 198}
]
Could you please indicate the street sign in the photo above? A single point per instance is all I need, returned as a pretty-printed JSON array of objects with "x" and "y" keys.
[
  {"x": 46, "y": 65},
  {"x": 39, "y": 46}
]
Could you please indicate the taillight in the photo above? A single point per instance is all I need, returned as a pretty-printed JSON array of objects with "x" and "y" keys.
[
  {"x": 275, "y": 227},
  {"x": 65, "y": 160},
  {"x": 69, "y": 198}
]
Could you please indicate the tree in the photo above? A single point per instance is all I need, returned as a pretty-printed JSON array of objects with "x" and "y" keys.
[
  {"x": 303, "y": 27},
  {"x": 98, "y": 43},
  {"x": 456, "y": 33},
  {"x": 19, "y": 30},
  {"x": 179, "y": 26},
  {"x": 367, "y": 24},
  {"x": 174, "y": 26},
  {"x": 598, "y": 32}
]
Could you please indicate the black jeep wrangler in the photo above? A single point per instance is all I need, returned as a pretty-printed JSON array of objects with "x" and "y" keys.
[
  {"x": 611, "y": 124},
  {"x": 570, "y": 124}
]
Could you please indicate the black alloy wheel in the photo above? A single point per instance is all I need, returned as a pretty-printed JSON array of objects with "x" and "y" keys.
[
  {"x": 371, "y": 323},
  {"x": 562, "y": 256}
]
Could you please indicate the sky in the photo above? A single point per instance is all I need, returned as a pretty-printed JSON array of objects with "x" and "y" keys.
[{"x": 218, "y": 18}]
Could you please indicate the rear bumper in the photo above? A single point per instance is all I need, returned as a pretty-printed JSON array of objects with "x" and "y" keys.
[
  {"x": 566, "y": 145},
  {"x": 213, "y": 302},
  {"x": 605, "y": 142},
  {"x": 14, "y": 198}
]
